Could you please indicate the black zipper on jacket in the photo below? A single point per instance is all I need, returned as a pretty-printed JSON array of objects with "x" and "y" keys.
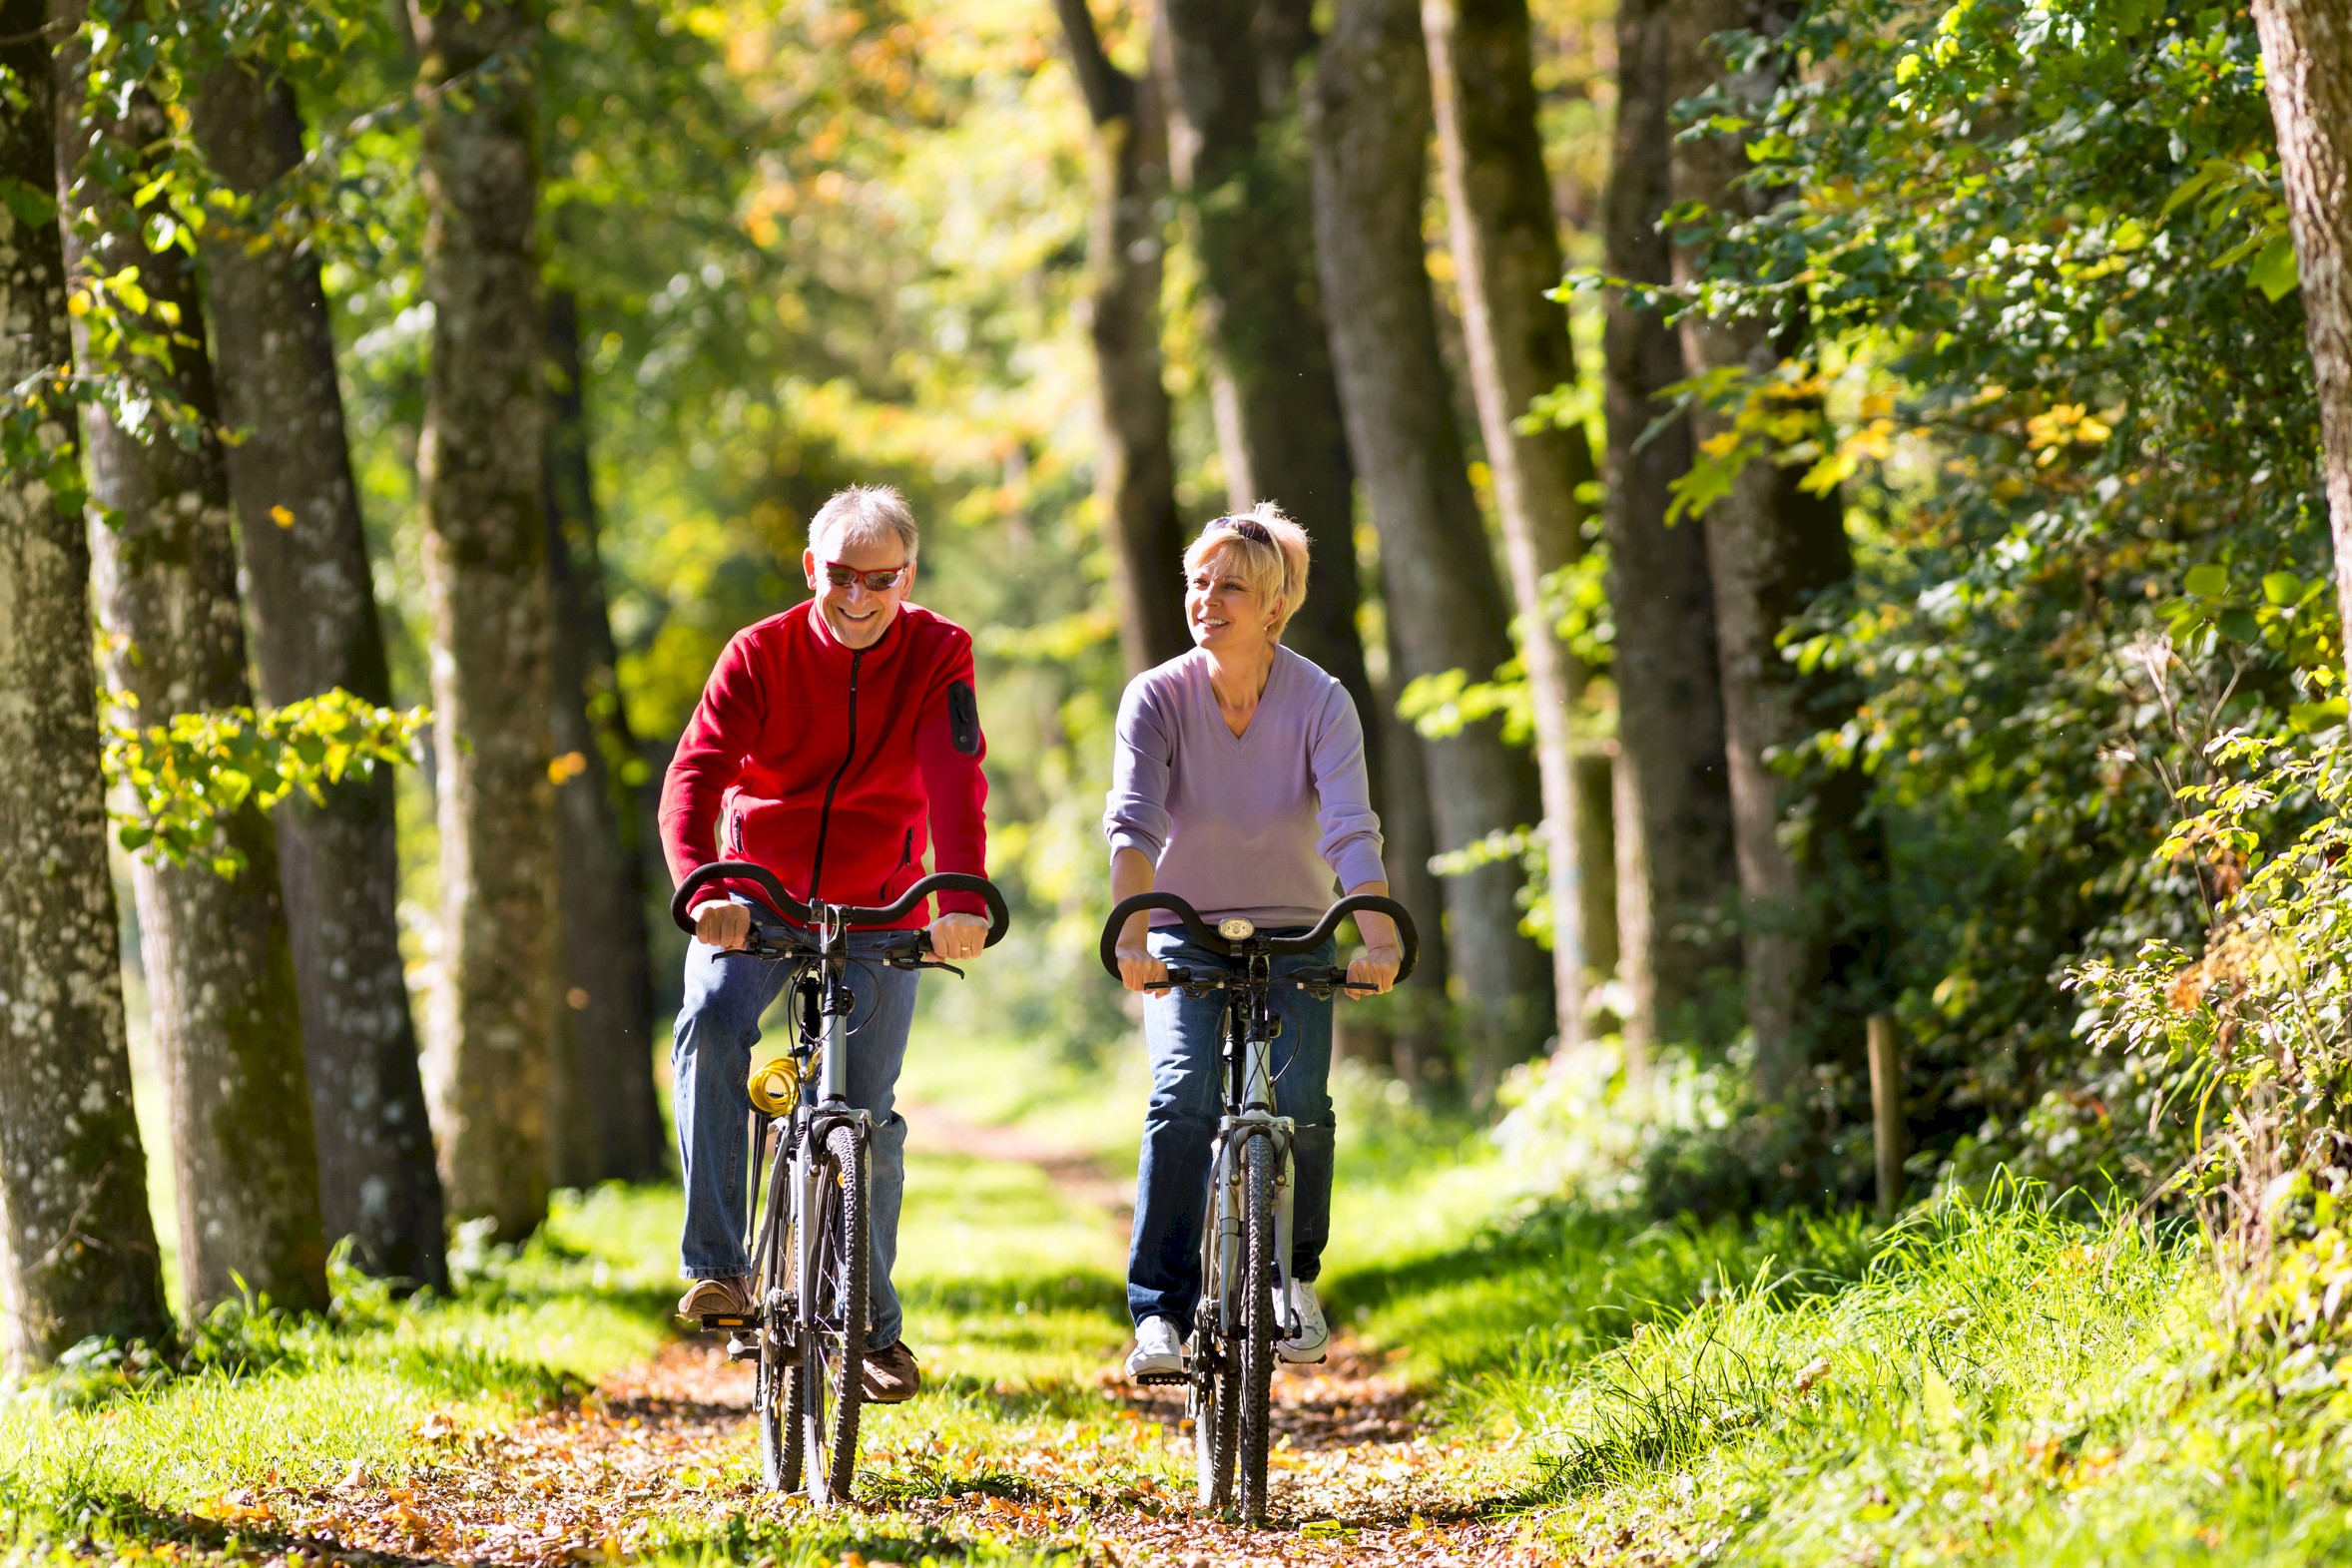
[
  {"x": 905, "y": 853},
  {"x": 825, "y": 816}
]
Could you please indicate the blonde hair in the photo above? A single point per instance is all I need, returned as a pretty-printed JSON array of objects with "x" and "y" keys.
[
  {"x": 864, "y": 515},
  {"x": 1274, "y": 567}
]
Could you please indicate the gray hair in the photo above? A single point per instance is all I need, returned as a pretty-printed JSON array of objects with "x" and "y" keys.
[{"x": 864, "y": 515}]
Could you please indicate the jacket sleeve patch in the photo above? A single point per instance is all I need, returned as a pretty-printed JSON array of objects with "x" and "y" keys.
[{"x": 964, "y": 718}]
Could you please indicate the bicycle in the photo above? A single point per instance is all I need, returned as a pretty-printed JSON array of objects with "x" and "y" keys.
[
  {"x": 805, "y": 1227},
  {"x": 1246, "y": 1236}
]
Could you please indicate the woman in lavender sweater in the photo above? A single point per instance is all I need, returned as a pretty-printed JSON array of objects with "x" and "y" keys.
[{"x": 1238, "y": 785}]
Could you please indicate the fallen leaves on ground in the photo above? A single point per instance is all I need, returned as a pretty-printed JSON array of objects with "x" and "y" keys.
[{"x": 665, "y": 1451}]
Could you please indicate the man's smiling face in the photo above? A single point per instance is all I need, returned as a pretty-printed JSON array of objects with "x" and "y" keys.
[{"x": 854, "y": 613}]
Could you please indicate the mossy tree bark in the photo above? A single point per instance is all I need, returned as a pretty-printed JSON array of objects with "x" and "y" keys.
[
  {"x": 481, "y": 467},
  {"x": 78, "y": 1251},
  {"x": 1507, "y": 254},
  {"x": 1678, "y": 880},
  {"x": 1811, "y": 859},
  {"x": 1124, "y": 249},
  {"x": 311, "y": 602},
  {"x": 1234, "y": 146},
  {"x": 1368, "y": 118},
  {"x": 220, "y": 967},
  {"x": 607, "y": 1123},
  {"x": 2307, "y": 60}
]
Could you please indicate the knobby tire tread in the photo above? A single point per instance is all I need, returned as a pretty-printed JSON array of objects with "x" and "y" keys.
[
  {"x": 833, "y": 1440},
  {"x": 1257, "y": 1340}
]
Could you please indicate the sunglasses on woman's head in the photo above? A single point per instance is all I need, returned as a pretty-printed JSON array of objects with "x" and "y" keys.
[
  {"x": 876, "y": 582},
  {"x": 1248, "y": 528}
]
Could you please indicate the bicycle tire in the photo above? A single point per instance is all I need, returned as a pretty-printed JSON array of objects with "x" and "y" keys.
[
  {"x": 1215, "y": 1399},
  {"x": 773, "y": 1387},
  {"x": 1257, "y": 1316},
  {"x": 832, "y": 1354}
]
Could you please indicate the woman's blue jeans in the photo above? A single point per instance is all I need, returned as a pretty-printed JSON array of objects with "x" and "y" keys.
[
  {"x": 709, "y": 1059},
  {"x": 1184, "y": 1037}
]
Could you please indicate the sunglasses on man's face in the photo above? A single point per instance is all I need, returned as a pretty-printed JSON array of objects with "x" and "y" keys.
[{"x": 876, "y": 582}]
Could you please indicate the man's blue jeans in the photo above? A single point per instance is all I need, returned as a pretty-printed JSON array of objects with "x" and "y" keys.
[
  {"x": 1183, "y": 1037},
  {"x": 709, "y": 1059}
]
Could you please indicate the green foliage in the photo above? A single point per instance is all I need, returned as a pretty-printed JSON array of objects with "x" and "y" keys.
[
  {"x": 188, "y": 776},
  {"x": 2023, "y": 262}
]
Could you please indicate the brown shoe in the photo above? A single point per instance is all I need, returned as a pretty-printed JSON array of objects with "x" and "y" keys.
[
  {"x": 891, "y": 1374},
  {"x": 716, "y": 1299}
]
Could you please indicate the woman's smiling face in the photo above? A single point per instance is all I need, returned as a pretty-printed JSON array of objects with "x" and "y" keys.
[{"x": 1221, "y": 611}]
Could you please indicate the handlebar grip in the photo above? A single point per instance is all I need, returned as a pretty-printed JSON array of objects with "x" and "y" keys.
[
  {"x": 702, "y": 876},
  {"x": 1408, "y": 938},
  {"x": 1194, "y": 926}
]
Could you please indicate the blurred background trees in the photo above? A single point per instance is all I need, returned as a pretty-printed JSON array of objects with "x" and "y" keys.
[{"x": 1793, "y": 491}]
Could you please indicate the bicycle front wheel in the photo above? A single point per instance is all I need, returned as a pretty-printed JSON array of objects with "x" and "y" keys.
[
  {"x": 833, "y": 1340},
  {"x": 1257, "y": 1324}
]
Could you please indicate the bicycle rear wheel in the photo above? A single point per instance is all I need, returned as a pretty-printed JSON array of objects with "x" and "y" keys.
[
  {"x": 1255, "y": 1344},
  {"x": 1216, "y": 1405},
  {"x": 833, "y": 1348},
  {"x": 773, "y": 1384}
]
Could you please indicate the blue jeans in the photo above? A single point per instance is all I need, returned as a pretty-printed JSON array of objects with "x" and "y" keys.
[
  {"x": 1183, "y": 1036},
  {"x": 709, "y": 1059}
]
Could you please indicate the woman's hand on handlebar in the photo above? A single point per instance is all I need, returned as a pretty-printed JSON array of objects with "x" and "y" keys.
[
  {"x": 724, "y": 924},
  {"x": 1374, "y": 969},
  {"x": 1138, "y": 968},
  {"x": 959, "y": 936}
]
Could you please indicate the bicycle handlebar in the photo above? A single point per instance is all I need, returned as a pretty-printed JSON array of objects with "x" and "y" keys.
[
  {"x": 794, "y": 909},
  {"x": 1205, "y": 934}
]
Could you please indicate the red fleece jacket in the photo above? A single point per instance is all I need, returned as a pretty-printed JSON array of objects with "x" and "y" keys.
[{"x": 827, "y": 766}]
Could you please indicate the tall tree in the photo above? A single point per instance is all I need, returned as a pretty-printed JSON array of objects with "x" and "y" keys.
[
  {"x": 1506, "y": 254},
  {"x": 1676, "y": 875},
  {"x": 1368, "y": 117},
  {"x": 1137, "y": 478},
  {"x": 607, "y": 1122},
  {"x": 2307, "y": 61},
  {"x": 1809, "y": 935},
  {"x": 311, "y": 602},
  {"x": 1419, "y": 1040},
  {"x": 480, "y": 464},
  {"x": 78, "y": 1254},
  {"x": 1248, "y": 213},
  {"x": 227, "y": 1019}
]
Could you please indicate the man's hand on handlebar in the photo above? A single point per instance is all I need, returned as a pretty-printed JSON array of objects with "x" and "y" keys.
[
  {"x": 727, "y": 925},
  {"x": 955, "y": 936}
]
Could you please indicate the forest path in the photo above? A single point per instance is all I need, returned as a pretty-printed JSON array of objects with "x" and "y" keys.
[{"x": 1074, "y": 1466}]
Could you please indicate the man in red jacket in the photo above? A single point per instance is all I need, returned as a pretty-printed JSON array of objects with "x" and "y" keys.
[{"x": 833, "y": 744}]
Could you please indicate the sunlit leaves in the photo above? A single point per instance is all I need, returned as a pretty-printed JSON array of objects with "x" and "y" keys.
[{"x": 184, "y": 777}]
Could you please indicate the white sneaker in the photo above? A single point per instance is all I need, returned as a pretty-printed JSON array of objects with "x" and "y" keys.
[
  {"x": 1158, "y": 1354},
  {"x": 1313, "y": 1333}
]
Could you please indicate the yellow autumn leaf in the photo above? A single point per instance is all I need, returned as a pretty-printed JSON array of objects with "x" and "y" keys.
[{"x": 281, "y": 517}]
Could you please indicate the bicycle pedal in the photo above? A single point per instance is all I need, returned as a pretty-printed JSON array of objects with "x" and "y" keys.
[
  {"x": 713, "y": 1321},
  {"x": 1162, "y": 1380}
]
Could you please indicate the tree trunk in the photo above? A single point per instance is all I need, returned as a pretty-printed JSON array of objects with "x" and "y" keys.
[
  {"x": 1370, "y": 119},
  {"x": 313, "y": 606},
  {"x": 76, "y": 1250},
  {"x": 1137, "y": 480},
  {"x": 228, "y": 1022},
  {"x": 485, "y": 555},
  {"x": 1507, "y": 256},
  {"x": 1416, "y": 1027},
  {"x": 1247, "y": 211},
  {"x": 1808, "y": 938},
  {"x": 607, "y": 1121},
  {"x": 2307, "y": 60},
  {"x": 1677, "y": 878}
]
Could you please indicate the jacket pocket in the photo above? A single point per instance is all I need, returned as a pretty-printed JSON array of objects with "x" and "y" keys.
[{"x": 906, "y": 857}]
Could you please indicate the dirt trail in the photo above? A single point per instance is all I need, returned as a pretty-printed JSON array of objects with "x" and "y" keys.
[{"x": 1359, "y": 1477}]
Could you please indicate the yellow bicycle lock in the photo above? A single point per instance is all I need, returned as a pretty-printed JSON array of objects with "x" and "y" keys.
[{"x": 774, "y": 1087}]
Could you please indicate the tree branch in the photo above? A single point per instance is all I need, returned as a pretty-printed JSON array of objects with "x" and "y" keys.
[{"x": 1110, "y": 92}]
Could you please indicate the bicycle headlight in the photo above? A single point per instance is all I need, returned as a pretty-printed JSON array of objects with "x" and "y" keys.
[
  {"x": 774, "y": 1087},
  {"x": 1236, "y": 929}
]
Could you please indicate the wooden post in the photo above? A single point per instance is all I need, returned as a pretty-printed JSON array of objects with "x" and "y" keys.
[{"x": 1886, "y": 1101}]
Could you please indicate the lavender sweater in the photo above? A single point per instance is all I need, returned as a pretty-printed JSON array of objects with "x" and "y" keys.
[{"x": 1253, "y": 825}]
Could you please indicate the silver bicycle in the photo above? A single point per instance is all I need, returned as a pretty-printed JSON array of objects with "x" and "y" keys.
[{"x": 1245, "y": 1240}]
